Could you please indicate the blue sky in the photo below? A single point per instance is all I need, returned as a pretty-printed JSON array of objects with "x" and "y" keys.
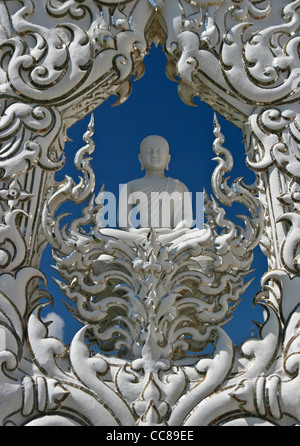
[{"x": 154, "y": 107}]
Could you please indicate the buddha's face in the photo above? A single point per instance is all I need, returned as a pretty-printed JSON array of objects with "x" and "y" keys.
[{"x": 154, "y": 154}]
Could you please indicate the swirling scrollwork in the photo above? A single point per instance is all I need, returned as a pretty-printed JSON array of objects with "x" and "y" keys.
[
  {"x": 205, "y": 273},
  {"x": 27, "y": 136},
  {"x": 240, "y": 50},
  {"x": 273, "y": 139},
  {"x": 50, "y": 65},
  {"x": 153, "y": 302},
  {"x": 270, "y": 78}
]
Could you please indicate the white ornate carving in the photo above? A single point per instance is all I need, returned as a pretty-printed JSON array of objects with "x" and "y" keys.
[{"x": 149, "y": 311}]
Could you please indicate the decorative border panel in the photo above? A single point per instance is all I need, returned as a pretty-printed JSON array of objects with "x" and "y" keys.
[{"x": 150, "y": 308}]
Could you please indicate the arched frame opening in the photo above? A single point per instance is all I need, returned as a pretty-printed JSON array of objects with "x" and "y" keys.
[{"x": 155, "y": 107}]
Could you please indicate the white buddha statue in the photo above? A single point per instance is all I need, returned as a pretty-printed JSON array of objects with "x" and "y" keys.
[{"x": 161, "y": 202}]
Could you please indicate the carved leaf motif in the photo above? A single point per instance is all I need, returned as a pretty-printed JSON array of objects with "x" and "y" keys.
[
  {"x": 150, "y": 301},
  {"x": 160, "y": 305},
  {"x": 152, "y": 294},
  {"x": 56, "y": 64}
]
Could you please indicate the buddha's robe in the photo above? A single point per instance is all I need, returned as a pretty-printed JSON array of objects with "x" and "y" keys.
[
  {"x": 163, "y": 203},
  {"x": 180, "y": 213}
]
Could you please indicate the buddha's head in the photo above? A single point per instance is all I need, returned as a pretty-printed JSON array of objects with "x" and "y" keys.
[{"x": 154, "y": 154}]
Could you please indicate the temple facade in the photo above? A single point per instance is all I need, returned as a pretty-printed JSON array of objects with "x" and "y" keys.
[{"x": 150, "y": 301}]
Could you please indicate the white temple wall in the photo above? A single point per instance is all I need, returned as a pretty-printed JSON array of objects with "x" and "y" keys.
[{"x": 59, "y": 61}]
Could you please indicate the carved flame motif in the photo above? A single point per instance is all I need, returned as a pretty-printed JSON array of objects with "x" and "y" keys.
[
  {"x": 158, "y": 304},
  {"x": 150, "y": 313},
  {"x": 176, "y": 294}
]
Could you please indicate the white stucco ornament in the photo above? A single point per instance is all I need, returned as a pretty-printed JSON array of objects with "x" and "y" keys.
[{"x": 153, "y": 300}]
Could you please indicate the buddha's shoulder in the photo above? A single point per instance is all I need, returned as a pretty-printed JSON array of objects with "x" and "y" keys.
[
  {"x": 179, "y": 184},
  {"x": 135, "y": 184}
]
